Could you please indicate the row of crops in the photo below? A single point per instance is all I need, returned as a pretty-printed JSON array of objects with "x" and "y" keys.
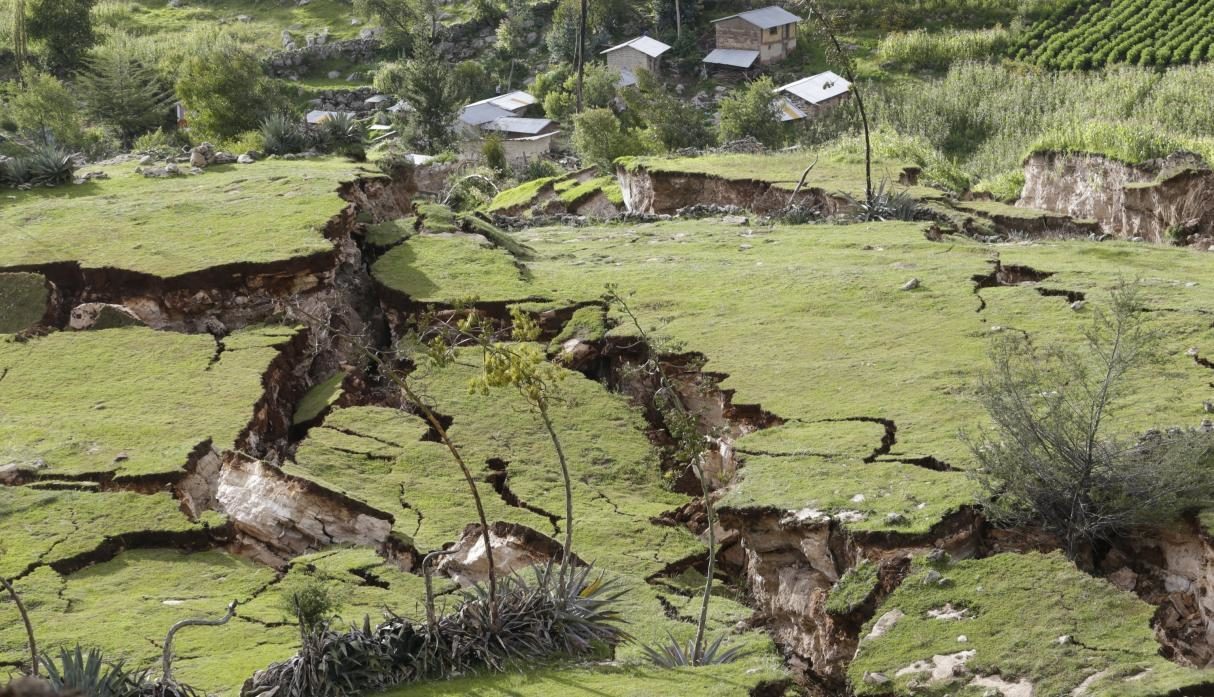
[{"x": 1082, "y": 34}]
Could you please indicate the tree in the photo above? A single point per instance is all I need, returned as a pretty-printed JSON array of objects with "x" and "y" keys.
[
  {"x": 752, "y": 112},
  {"x": 406, "y": 23},
  {"x": 1051, "y": 460},
  {"x": 425, "y": 82},
  {"x": 472, "y": 82},
  {"x": 843, "y": 58},
  {"x": 672, "y": 123},
  {"x": 43, "y": 110},
  {"x": 598, "y": 91},
  {"x": 120, "y": 91},
  {"x": 64, "y": 28},
  {"x": 225, "y": 90},
  {"x": 512, "y": 31},
  {"x": 599, "y": 138},
  {"x": 20, "y": 37}
]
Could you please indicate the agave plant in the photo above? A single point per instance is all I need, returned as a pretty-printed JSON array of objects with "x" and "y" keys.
[
  {"x": 672, "y": 654},
  {"x": 886, "y": 204},
  {"x": 283, "y": 135},
  {"x": 50, "y": 165},
  {"x": 534, "y": 621},
  {"x": 342, "y": 133},
  {"x": 14, "y": 171},
  {"x": 90, "y": 674}
]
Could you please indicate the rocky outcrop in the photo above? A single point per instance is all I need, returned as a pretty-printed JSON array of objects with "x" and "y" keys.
[
  {"x": 658, "y": 192},
  {"x": 793, "y": 559},
  {"x": 1158, "y": 201},
  {"x": 515, "y": 549},
  {"x": 317, "y": 49}
]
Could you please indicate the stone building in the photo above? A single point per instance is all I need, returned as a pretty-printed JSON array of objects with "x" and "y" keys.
[{"x": 812, "y": 95}]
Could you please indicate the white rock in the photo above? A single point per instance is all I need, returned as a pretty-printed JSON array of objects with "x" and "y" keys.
[
  {"x": 911, "y": 284},
  {"x": 885, "y": 623}
]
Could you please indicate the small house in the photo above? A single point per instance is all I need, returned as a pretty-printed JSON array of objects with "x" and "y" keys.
[
  {"x": 474, "y": 116},
  {"x": 766, "y": 35},
  {"x": 812, "y": 95},
  {"x": 641, "y": 53}
]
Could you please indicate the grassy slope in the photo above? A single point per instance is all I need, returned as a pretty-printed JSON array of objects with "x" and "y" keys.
[
  {"x": 815, "y": 327},
  {"x": 132, "y": 401},
  {"x": 1018, "y": 605},
  {"x": 783, "y": 170},
  {"x": 269, "y": 211}
]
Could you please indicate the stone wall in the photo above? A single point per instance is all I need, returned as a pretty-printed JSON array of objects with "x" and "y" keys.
[{"x": 293, "y": 60}]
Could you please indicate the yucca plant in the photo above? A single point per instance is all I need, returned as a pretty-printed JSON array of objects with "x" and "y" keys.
[
  {"x": 673, "y": 654},
  {"x": 90, "y": 674},
  {"x": 525, "y": 622},
  {"x": 343, "y": 134},
  {"x": 14, "y": 171},
  {"x": 283, "y": 135},
  {"x": 50, "y": 165},
  {"x": 886, "y": 204}
]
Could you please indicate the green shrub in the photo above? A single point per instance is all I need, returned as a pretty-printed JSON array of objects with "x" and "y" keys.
[
  {"x": 50, "y": 165},
  {"x": 539, "y": 169},
  {"x": 494, "y": 153},
  {"x": 245, "y": 142},
  {"x": 599, "y": 138},
  {"x": 310, "y": 601},
  {"x": 751, "y": 111},
  {"x": 1005, "y": 187},
  {"x": 343, "y": 134},
  {"x": 225, "y": 89}
]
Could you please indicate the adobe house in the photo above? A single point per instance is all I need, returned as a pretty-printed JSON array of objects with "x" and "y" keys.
[
  {"x": 766, "y": 35},
  {"x": 812, "y": 95},
  {"x": 641, "y": 53}
]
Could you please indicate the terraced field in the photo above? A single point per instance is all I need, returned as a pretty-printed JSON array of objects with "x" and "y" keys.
[{"x": 232, "y": 446}]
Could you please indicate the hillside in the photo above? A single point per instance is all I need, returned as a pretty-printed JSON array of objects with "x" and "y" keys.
[{"x": 364, "y": 349}]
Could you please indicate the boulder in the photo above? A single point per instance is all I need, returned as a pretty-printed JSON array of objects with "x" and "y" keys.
[
  {"x": 334, "y": 74},
  {"x": 102, "y": 316},
  {"x": 223, "y": 158},
  {"x": 202, "y": 155},
  {"x": 244, "y": 159}
]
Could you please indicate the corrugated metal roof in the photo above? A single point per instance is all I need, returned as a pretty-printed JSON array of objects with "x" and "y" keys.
[
  {"x": 480, "y": 113},
  {"x": 516, "y": 124},
  {"x": 735, "y": 58},
  {"x": 649, "y": 46},
  {"x": 789, "y": 111},
  {"x": 541, "y": 136},
  {"x": 765, "y": 18},
  {"x": 627, "y": 78},
  {"x": 817, "y": 88},
  {"x": 377, "y": 98}
]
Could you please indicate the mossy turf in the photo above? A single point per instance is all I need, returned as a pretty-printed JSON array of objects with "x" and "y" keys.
[
  {"x": 522, "y": 195},
  {"x": 39, "y": 527},
  {"x": 23, "y": 301},
  {"x": 1017, "y": 607},
  {"x": 129, "y": 401},
  {"x": 783, "y": 170},
  {"x": 811, "y": 323},
  {"x": 265, "y": 212}
]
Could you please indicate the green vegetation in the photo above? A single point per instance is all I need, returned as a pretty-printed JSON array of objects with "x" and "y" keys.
[
  {"x": 853, "y": 588},
  {"x": 1082, "y": 35},
  {"x": 920, "y": 49},
  {"x": 319, "y": 398},
  {"x": 1016, "y": 607},
  {"x": 521, "y": 195},
  {"x": 392, "y": 232},
  {"x": 587, "y": 324},
  {"x": 23, "y": 301},
  {"x": 169, "y": 227},
  {"x": 139, "y": 401}
]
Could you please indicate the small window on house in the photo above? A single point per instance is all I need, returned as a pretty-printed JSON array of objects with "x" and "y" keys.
[{"x": 773, "y": 31}]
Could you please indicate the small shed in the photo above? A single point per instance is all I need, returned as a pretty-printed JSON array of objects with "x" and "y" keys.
[
  {"x": 771, "y": 31},
  {"x": 813, "y": 94},
  {"x": 641, "y": 53}
]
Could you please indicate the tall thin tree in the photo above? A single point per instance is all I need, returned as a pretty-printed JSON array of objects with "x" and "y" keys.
[
  {"x": 844, "y": 59},
  {"x": 581, "y": 50},
  {"x": 20, "y": 39}
]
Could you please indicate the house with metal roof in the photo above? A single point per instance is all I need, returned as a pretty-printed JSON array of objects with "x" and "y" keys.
[
  {"x": 641, "y": 53},
  {"x": 493, "y": 108},
  {"x": 766, "y": 35},
  {"x": 813, "y": 94}
]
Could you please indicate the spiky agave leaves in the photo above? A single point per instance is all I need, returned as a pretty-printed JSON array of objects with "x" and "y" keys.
[
  {"x": 50, "y": 165},
  {"x": 89, "y": 674},
  {"x": 673, "y": 654},
  {"x": 535, "y": 621}
]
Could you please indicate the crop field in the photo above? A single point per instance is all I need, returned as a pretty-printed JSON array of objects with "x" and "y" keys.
[{"x": 1083, "y": 35}]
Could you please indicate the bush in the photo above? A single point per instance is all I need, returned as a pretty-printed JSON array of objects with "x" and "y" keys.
[
  {"x": 1050, "y": 459},
  {"x": 226, "y": 90},
  {"x": 250, "y": 141},
  {"x": 494, "y": 153},
  {"x": 539, "y": 169},
  {"x": 43, "y": 110},
  {"x": 751, "y": 112},
  {"x": 1005, "y": 187},
  {"x": 310, "y": 602},
  {"x": 342, "y": 134},
  {"x": 599, "y": 138},
  {"x": 40, "y": 165}
]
